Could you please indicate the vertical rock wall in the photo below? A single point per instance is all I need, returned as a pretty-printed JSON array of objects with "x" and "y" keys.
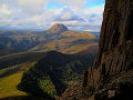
[{"x": 115, "y": 47}]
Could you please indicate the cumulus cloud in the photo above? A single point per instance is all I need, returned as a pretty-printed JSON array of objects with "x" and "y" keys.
[
  {"x": 5, "y": 11},
  {"x": 36, "y": 14},
  {"x": 74, "y": 4},
  {"x": 31, "y": 2},
  {"x": 82, "y": 20},
  {"x": 68, "y": 14},
  {"x": 32, "y": 6}
]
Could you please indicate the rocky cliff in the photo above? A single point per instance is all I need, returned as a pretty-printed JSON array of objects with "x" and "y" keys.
[{"x": 111, "y": 77}]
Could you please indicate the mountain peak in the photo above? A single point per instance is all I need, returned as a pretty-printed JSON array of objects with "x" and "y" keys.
[{"x": 58, "y": 28}]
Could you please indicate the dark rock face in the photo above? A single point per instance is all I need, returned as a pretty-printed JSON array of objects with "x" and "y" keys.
[
  {"x": 115, "y": 56},
  {"x": 116, "y": 45},
  {"x": 116, "y": 36}
]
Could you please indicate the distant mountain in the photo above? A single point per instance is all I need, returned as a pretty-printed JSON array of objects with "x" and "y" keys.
[
  {"x": 58, "y": 37},
  {"x": 58, "y": 28},
  {"x": 30, "y": 52},
  {"x": 68, "y": 42}
]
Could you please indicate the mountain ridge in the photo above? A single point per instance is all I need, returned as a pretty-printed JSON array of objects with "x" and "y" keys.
[
  {"x": 51, "y": 39},
  {"x": 59, "y": 69}
]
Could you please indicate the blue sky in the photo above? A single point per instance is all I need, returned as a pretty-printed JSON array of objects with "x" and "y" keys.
[{"x": 42, "y": 14}]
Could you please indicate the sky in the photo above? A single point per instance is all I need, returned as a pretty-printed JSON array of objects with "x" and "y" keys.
[{"x": 42, "y": 14}]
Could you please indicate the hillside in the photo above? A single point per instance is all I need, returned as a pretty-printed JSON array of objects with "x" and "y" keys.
[
  {"x": 68, "y": 42},
  {"x": 22, "y": 50},
  {"x": 19, "y": 58},
  {"x": 54, "y": 73},
  {"x": 14, "y": 65},
  {"x": 12, "y": 71},
  {"x": 9, "y": 79},
  {"x": 57, "y": 37},
  {"x": 7, "y": 90}
]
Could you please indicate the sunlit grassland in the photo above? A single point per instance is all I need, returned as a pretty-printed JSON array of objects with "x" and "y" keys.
[
  {"x": 8, "y": 86},
  {"x": 8, "y": 83},
  {"x": 79, "y": 47}
]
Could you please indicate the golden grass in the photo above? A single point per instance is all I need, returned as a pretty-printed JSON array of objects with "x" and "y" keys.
[
  {"x": 78, "y": 35},
  {"x": 78, "y": 48},
  {"x": 64, "y": 43},
  {"x": 8, "y": 86}
]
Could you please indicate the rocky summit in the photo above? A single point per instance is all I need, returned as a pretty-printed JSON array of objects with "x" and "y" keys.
[{"x": 58, "y": 28}]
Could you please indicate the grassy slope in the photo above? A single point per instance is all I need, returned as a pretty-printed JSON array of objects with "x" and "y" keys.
[
  {"x": 11, "y": 76},
  {"x": 78, "y": 48},
  {"x": 19, "y": 58},
  {"x": 9, "y": 82},
  {"x": 66, "y": 42},
  {"x": 8, "y": 85},
  {"x": 64, "y": 46}
]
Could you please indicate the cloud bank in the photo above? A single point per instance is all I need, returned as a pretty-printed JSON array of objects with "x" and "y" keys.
[{"x": 41, "y": 14}]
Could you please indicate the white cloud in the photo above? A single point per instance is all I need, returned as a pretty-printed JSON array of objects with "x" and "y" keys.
[
  {"x": 5, "y": 11},
  {"x": 94, "y": 10},
  {"x": 34, "y": 13},
  {"x": 88, "y": 18},
  {"x": 77, "y": 4},
  {"x": 67, "y": 14},
  {"x": 31, "y": 2},
  {"x": 32, "y": 6}
]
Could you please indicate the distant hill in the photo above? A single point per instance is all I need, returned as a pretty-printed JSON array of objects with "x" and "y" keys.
[
  {"x": 66, "y": 41},
  {"x": 58, "y": 28},
  {"x": 58, "y": 37}
]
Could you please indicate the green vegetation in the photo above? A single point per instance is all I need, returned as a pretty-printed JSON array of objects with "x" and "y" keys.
[
  {"x": 54, "y": 73},
  {"x": 48, "y": 87},
  {"x": 21, "y": 67},
  {"x": 6, "y": 70},
  {"x": 47, "y": 76},
  {"x": 19, "y": 58},
  {"x": 8, "y": 86},
  {"x": 10, "y": 77}
]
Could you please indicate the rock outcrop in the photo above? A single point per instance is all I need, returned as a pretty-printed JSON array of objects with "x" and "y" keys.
[
  {"x": 111, "y": 77},
  {"x": 116, "y": 42}
]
